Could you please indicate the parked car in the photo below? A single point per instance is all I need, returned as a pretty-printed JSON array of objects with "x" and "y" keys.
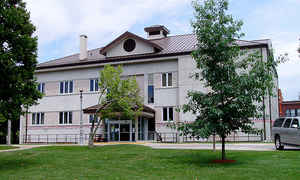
[{"x": 286, "y": 131}]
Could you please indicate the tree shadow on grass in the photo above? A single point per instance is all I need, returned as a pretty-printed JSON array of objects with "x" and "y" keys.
[
  {"x": 206, "y": 158},
  {"x": 15, "y": 164}
]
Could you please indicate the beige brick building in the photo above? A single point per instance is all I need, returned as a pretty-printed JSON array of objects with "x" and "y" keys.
[{"x": 162, "y": 65}]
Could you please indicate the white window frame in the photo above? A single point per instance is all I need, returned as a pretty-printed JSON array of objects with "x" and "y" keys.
[
  {"x": 167, "y": 79},
  {"x": 168, "y": 117},
  {"x": 41, "y": 87},
  {"x": 94, "y": 85},
  {"x": 63, "y": 117},
  {"x": 64, "y": 87},
  {"x": 36, "y": 115}
]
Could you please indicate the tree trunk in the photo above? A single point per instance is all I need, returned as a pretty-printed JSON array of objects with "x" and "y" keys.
[
  {"x": 8, "y": 132},
  {"x": 91, "y": 140},
  {"x": 223, "y": 148},
  {"x": 214, "y": 142}
]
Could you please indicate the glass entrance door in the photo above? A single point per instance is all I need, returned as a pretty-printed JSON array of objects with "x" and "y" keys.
[
  {"x": 124, "y": 132},
  {"x": 114, "y": 132},
  {"x": 119, "y": 130}
]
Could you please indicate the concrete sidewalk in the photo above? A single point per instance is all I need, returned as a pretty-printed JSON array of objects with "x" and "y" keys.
[
  {"x": 209, "y": 146},
  {"x": 206, "y": 146},
  {"x": 22, "y": 147}
]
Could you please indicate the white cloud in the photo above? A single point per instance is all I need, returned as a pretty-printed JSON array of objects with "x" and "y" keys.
[
  {"x": 101, "y": 20},
  {"x": 278, "y": 21}
]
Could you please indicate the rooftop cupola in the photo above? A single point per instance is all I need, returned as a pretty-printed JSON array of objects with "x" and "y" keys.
[{"x": 156, "y": 31}]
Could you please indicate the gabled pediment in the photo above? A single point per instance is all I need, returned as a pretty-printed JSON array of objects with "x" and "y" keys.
[{"x": 129, "y": 44}]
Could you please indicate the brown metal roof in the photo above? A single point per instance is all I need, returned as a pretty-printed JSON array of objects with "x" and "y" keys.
[
  {"x": 170, "y": 46},
  {"x": 93, "y": 109}
]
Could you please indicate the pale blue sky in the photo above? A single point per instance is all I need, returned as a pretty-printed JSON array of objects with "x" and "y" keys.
[{"x": 60, "y": 22}]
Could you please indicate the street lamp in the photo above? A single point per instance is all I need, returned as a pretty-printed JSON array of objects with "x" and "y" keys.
[{"x": 81, "y": 120}]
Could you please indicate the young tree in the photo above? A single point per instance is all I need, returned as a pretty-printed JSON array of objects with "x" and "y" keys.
[
  {"x": 117, "y": 97},
  {"x": 18, "y": 52},
  {"x": 236, "y": 80}
]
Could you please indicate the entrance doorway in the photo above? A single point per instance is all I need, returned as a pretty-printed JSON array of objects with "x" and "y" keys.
[
  {"x": 119, "y": 130},
  {"x": 124, "y": 132}
]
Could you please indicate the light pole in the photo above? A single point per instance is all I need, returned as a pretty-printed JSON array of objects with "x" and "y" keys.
[{"x": 81, "y": 120}]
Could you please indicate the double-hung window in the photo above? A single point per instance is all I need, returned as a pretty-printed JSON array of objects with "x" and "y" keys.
[
  {"x": 94, "y": 85},
  {"x": 168, "y": 114},
  {"x": 150, "y": 89},
  {"x": 66, "y": 87},
  {"x": 166, "y": 79},
  {"x": 65, "y": 117},
  {"x": 38, "y": 118},
  {"x": 41, "y": 87}
]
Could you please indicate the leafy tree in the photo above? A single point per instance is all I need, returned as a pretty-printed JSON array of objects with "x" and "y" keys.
[
  {"x": 18, "y": 53},
  {"x": 237, "y": 80},
  {"x": 117, "y": 97}
]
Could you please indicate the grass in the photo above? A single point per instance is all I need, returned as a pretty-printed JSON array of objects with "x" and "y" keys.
[
  {"x": 139, "y": 162},
  {"x": 7, "y": 147}
]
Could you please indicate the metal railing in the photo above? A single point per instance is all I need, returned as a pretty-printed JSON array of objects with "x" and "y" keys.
[
  {"x": 172, "y": 137},
  {"x": 238, "y": 136},
  {"x": 54, "y": 138}
]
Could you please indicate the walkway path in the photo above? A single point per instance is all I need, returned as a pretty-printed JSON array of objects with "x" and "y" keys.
[
  {"x": 22, "y": 147},
  {"x": 240, "y": 146}
]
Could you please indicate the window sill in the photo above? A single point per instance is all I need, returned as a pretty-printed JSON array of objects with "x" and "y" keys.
[
  {"x": 65, "y": 94},
  {"x": 167, "y": 121},
  {"x": 169, "y": 87}
]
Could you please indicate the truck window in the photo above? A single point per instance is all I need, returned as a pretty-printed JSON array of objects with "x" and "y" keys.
[
  {"x": 278, "y": 122},
  {"x": 287, "y": 123},
  {"x": 295, "y": 123}
]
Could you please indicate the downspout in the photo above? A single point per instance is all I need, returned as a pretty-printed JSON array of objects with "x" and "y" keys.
[
  {"x": 264, "y": 118},
  {"x": 270, "y": 107},
  {"x": 26, "y": 125},
  {"x": 264, "y": 107}
]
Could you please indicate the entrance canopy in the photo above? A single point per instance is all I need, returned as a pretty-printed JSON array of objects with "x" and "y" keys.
[{"x": 147, "y": 112}]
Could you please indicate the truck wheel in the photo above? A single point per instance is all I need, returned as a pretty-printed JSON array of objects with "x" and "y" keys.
[{"x": 278, "y": 144}]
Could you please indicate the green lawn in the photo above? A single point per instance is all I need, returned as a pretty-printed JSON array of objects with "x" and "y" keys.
[
  {"x": 6, "y": 147},
  {"x": 139, "y": 162}
]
